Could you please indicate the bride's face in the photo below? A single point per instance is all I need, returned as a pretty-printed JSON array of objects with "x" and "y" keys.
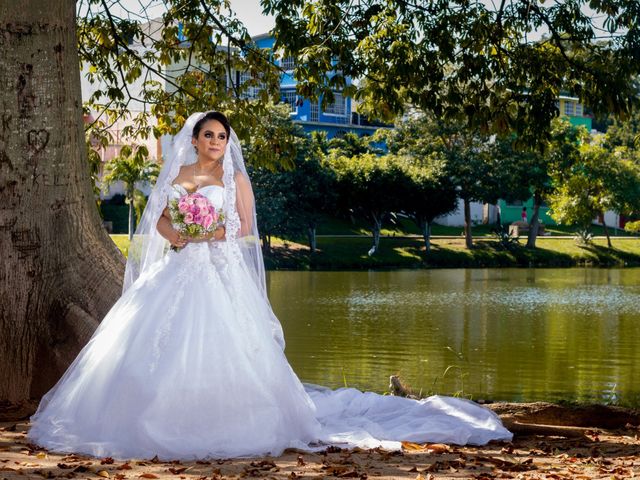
[{"x": 212, "y": 140}]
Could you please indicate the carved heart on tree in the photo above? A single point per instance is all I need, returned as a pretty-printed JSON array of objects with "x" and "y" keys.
[{"x": 38, "y": 139}]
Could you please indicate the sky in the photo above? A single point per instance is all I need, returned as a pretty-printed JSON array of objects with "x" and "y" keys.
[{"x": 249, "y": 12}]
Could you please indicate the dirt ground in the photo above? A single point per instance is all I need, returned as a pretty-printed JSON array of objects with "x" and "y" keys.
[{"x": 587, "y": 453}]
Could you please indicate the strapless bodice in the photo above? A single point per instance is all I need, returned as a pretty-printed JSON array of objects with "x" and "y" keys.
[{"x": 214, "y": 193}]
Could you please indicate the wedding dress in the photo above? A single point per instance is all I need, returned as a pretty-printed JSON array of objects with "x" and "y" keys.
[{"x": 190, "y": 364}]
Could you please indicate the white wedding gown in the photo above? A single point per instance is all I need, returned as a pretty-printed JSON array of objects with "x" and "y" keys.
[{"x": 188, "y": 364}]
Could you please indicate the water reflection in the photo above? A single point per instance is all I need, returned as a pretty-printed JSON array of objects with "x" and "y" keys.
[{"x": 502, "y": 334}]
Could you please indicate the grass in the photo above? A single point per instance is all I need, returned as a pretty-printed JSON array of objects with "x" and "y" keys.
[
  {"x": 405, "y": 226},
  {"x": 350, "y": 253},
  {"x": 122, "y": 242}
]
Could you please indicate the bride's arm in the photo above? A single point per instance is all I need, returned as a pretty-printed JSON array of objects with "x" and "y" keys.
[
  {"x": 244, "y": 204},
  {"x": 167, "y": 231}
]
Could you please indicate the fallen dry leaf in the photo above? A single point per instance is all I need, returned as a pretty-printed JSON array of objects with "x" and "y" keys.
[
  {"x": 426, "y": 447},
  {"x": 177, "y": 471},
  {"x": 103, "y": 473},
  {"x": 148, "y": 475},
  {"x": 125, "y": 466}
]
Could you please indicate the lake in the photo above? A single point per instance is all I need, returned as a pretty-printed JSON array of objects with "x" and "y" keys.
[{"x": 494, "y": 334}]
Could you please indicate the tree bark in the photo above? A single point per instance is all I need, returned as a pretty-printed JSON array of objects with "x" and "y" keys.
[
  {"x": 535, "y": 222},
  {"x": 266, "y": 244},
  {"x": 606, "y": 232},
  {"x": 468, "y": 239},
  {"x": 426, "y": 234},
  {"x": 60, "y": 271},
  {"x": 132, "y": 222},
  {"x": 377, "y": 227},
  {"x": 311, "y": 233}
]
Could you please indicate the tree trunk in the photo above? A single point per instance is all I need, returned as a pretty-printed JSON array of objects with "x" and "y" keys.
[
  {"x": 377, "y": 226},
  {"x": 132, "y": 218},
  {"x": 266, "y": 244},
  {"x": 468, "y": 240},
  {"x": 606, "y": 232},
  {"x": 534, "y": 224},
  {"x": 60, "y": 271},
  {"x": 311, "y": 233},
  {"x": 426, "y": 234}
]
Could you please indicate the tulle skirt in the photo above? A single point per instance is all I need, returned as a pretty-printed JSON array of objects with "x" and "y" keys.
[{"x": 189, "y": 364}]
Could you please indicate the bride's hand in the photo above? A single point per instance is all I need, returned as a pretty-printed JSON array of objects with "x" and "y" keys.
[
  {"x": 217, "y": 234},
  {"x": 178, "y": 240}
]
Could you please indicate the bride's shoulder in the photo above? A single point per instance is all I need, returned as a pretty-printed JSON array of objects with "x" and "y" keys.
[
  {"x": 185, "y": 170},
  {"x": 185, "y": 173}
]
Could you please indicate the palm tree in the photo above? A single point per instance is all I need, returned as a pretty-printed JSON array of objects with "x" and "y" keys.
[{"x": 132, "y": 166}]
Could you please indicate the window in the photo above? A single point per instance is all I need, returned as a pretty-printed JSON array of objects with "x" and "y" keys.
[
  {"x": 288, "y": 63},
  {"x": 579, "y": 109},
  {"x": 338, "y": 107},
  {"x": 315, "y": 112},
  {"x": 249, "y": 92},
  {"x": 515, "y": 203},
  {"x": 291, "y": 97},
  {"x": 569, "y": 108}
]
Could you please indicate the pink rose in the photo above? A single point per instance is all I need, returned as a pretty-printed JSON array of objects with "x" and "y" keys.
[
  {"x": 205, "y": 211},
  {"x": 183, "y": 207},
  {"x": 207, "y": 221},
  {"x": 188, "y": 218},
  {"x": 197, "y": 219},
  {"x": 201, "y": 202},
  {"x": 194, "y": 210}
]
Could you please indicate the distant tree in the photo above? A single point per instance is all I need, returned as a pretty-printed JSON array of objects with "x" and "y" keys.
[
  {"x": 370, "y": 184},
  {"x": 527, "y": 170},
  {"x": 275, "y": 217},
  {"x": 313, "y": 187},
  {"x": 469, "y": 161},
  {"x": 352, "y": 144},
  {"x": 599, "y": 180},
  {"x": 297, "y": 189},
  {"x": 428, "y": 194},
  {"x": 624, "y": 133},
  {"x": 131, "y": 167}
]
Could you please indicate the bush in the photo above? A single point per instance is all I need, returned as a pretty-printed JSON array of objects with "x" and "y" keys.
[
  {"x": 118, "y": 214},
  {"x": 633, "y": 227}
]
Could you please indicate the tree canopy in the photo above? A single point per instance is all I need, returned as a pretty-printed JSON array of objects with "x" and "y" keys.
[
  {"x": 480, "y": 61},
  {"x": 195, "y": 56}
]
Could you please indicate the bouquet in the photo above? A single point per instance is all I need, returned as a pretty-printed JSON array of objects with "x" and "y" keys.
[{"x": 194, "y": 216}]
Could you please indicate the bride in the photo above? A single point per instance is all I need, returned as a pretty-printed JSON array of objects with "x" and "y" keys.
[{"x": 189, "y": 363}]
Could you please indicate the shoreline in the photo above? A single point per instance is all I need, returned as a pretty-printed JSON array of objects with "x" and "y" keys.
[
  {"x": 335, "y": 253},
  {"x": 409, "y": 253}
]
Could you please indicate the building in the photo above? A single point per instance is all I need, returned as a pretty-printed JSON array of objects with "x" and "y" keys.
[
  {"x": 336, "y": 118},
  {"x": 571, "y": 108}
]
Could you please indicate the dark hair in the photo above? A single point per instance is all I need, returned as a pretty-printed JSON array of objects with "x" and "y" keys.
[{"x": 211, "y": 116}]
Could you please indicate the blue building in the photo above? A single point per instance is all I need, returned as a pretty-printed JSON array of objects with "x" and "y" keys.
[{"x": 336, "y": 118}]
